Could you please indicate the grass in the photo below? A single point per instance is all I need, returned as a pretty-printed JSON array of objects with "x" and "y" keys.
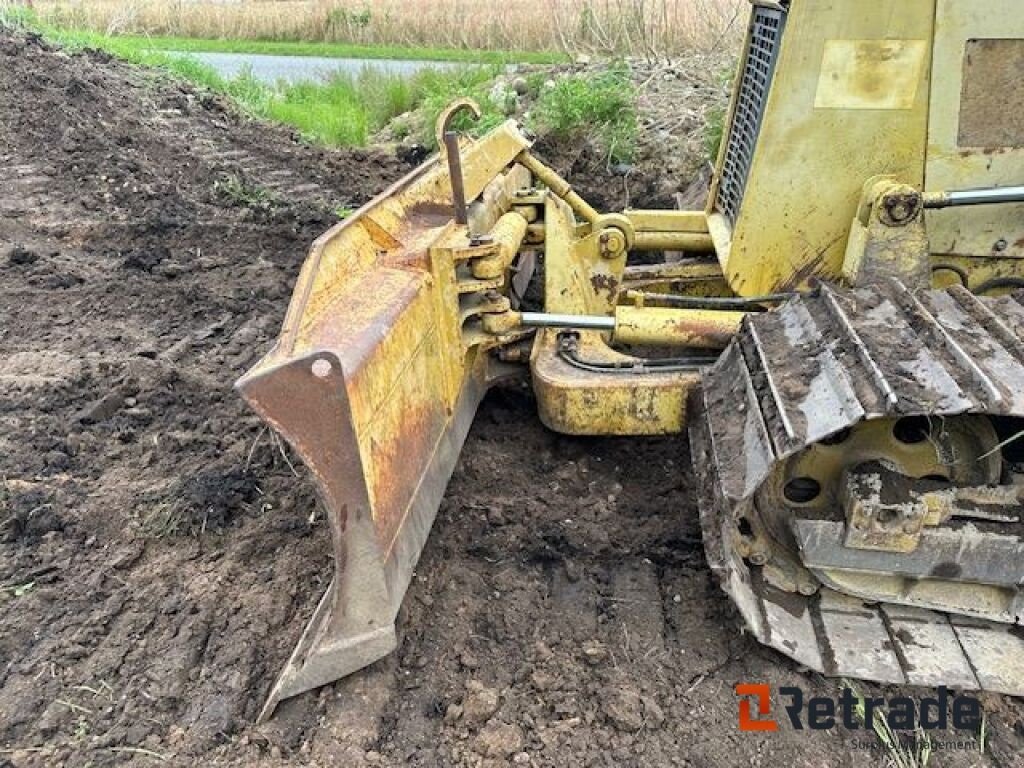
[
  {"x": 599, "y": 106},
  {"x": 631, "y": 27},
  {"x": 342, "y": 50},
  {"x": 238, "y": 191},
  {"x": 914, "y": 753},
  {"x": 19, "y": 590},
  {"x": 348, "y": 110},
  {"x": 343, "y": 111},
  {"x": 714, "y": 132}
]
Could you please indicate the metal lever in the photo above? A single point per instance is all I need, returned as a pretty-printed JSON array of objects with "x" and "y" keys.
[
  {"x": 451, "y": 145},
  {"x": 448, "y": 140}
]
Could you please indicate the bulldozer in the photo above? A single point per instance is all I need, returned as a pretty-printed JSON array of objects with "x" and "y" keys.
[{"x": 838, "y": 333}]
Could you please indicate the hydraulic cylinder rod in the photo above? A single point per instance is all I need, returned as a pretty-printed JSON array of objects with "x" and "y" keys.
[
  {"x": 987, "y": 196},
  {"x": 576, "y": 322}
]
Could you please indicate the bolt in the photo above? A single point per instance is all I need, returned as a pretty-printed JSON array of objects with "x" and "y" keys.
[
  {"x": 807, "y": 588},
  {"x": 612, "y": 243},
  {"x": 321, "y": 368},
  {"x": 901, "y": 208},
  {"x": 887, "y": 515},
  {"x": 1000, "y": 246},
  {"x": 759, "y": 557}
]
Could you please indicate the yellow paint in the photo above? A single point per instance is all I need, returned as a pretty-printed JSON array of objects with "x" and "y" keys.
[
  {"x": 381, "y": 291},
  {"x": 508, "y": 235},
  {"x": 668, "y": 221},
  {"x": 660, "y": 326},
  {"x": 577, "y": 402},
  {"x": 691, "y": 277},
  {"x": 880, "y": 248},
  {"x": 691, "y": 242},
  {"x": 870, "y": 74},
  {"x": 580, "y": 280},
  {"x": 810, "y": 164}
]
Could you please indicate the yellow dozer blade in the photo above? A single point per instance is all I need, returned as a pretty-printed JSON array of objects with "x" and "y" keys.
[{"x": 374, "y": 382}]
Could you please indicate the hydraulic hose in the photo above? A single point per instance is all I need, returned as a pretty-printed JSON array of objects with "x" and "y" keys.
[{"x": 568, "y": 351}]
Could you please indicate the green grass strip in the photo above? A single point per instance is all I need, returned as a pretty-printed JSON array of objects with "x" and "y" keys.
[
  {"x": 343, "y": 50},
  {"x": 344, "y": 111}
]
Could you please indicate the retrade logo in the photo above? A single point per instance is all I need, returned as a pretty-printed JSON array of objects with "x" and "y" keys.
[
  {"x": 760, "y": 693},
  {"x": 821, "y": 713}
]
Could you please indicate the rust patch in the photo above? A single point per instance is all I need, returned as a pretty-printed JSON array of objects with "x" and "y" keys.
[
  {"x": 604, "y": 282},
  {"x": 992, "y": 98},
  {"x": 398, "y": 464},
  {"x": 429, "y": 214},
  {"x": 706, "y": 330}
]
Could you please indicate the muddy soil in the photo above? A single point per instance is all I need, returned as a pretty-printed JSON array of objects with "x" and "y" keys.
[{"x": 159, "y": 554}]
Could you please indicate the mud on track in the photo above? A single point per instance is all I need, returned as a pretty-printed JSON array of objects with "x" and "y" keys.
[{"x": 159, "y": 558}]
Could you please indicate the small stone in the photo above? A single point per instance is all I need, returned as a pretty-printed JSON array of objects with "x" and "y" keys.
[
  {"x": 496, "y": 517},
  {"x": 521, "y": 758},
  {"x": 57, "y": 460},
  {"x": 654, "y": 715},
  {"x": 499, "y": 740},
  {"x": 372, "y": 756},
  {"x": 624, "y": 709},
  {"x": 51, "y": 719},
  {"x": 543, "y": 681},
  {"x": 453, "y": 713},
  {"x": 520, "y": 86},
  {"x": 169, "y": 269},
  {"x": 542, "y": 650},
  {"x": 480, "y": 703},
  {"x": 21, "y": 255},
  {"x": 594, "y": 652},
  {"x": 102, "y": 409}
]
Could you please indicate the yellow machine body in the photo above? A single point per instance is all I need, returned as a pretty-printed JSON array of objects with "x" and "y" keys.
[{"x": 920, "y": 90}]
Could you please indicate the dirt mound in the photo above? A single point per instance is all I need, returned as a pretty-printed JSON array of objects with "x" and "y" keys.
[
  {"x": 159, "y": 557},
  {"x": 149, "y": 237},
  {"x": 677, "y": 104}
]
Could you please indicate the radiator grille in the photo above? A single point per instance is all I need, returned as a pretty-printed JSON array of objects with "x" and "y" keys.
[{"x": 756, "y": 79}]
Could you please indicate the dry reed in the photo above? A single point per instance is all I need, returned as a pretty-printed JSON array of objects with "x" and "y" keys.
[{"x": 630, "y": 27}]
